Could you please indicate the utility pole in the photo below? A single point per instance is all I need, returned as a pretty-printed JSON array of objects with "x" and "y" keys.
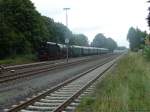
[{"x": 67, "y": 40}]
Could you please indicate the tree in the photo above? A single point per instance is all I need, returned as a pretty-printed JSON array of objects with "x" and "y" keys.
[
  {"x": 62, "y": 32},
  {"x": 111, "y": 44},
  {"x": 79, "y": 39},
  {"x": 21, "y": 27},
  {"x": 148, "y": 18},
  {"x": 51, "y": 28},
  {"x": 57, "y": 32},
  {"x": 99, "y": 41},
  {"x": 135, "y": 38}
]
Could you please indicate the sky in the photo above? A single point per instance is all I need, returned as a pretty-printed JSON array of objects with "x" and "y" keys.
[{"x": 113, "y": 18}]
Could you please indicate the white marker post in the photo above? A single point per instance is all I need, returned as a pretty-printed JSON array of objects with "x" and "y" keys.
[{"x": 67, "y": 43}]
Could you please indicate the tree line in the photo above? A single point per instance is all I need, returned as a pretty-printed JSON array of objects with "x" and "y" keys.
[
  {"x": 101, "y": 41},
  {"x": 23, "y": 28}
]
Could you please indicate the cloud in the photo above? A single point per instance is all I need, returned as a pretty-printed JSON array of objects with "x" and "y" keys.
[{"x": 86, "y": 29}]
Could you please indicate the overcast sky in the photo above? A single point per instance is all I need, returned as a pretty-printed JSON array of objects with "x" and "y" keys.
[{"x": 110, "y": 17}]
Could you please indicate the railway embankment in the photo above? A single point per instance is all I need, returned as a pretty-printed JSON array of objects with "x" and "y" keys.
[{"x": 123, "y": 89}]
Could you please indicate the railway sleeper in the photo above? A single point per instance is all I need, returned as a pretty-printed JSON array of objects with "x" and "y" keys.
[
  {"x": 55, "y": 98},
  {"x": 28, "y": 111},
  {"x": 43, "y": 109},
  {"x": 62, "y": 95},
  {"x": 67, "y": 90},
  {"x": 46, "y": 104},
  {"x": 51, "y": 101}
]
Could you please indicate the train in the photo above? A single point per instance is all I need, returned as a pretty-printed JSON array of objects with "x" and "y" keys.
[{"x": 52, "y": 51}]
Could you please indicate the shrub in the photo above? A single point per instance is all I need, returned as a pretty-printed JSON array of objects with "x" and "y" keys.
[{"x": 147, "y": 52}]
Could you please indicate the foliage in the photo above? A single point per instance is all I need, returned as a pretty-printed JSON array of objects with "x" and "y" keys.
[
  {"x": 136, "y": 38},
  {"x": 57, "y": 32},
  {"x": 146, "y": 52},
  {"x": 50, "y": 26},
  {"x": 62, "y": 32},
  {"x": 111, "y": 44},
  {"x": 148, "y": 18},
  {"x": 21, "y": 27},
  {"x": 79, "y": 39},
  {"x": 101, "y": 41},
  {"x": 123, "y": 89}
]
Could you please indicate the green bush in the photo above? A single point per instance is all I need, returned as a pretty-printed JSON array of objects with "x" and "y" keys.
[
  {"x": 19, "y": 59},
  {"x": 147, "y": 52}
]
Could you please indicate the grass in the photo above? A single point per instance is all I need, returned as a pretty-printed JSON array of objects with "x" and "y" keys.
[
  {"x": 19, "y": 59},
  {"x": 125, "y": 89}
]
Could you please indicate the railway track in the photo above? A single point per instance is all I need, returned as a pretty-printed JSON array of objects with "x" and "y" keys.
[
  {"x": 36, "y": 70},
  {"x": 20, "y": 69},
  {"x": 63, "y": 97},
  {"x": 23, "y": 66}
]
